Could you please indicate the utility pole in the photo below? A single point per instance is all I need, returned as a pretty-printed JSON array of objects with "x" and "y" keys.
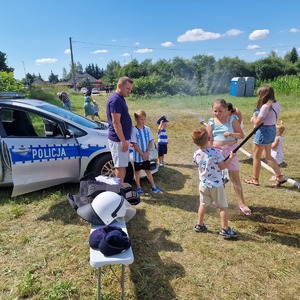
[{"x": 72, "y": 63}]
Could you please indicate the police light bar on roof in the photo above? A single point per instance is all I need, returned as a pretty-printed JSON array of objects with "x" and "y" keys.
[{"x": 12, "y": 95}]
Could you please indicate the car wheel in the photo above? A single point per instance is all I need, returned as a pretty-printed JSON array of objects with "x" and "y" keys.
[{"x": 104, "y": 166}]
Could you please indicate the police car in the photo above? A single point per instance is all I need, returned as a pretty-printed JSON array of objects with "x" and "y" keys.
[{"x": 42, "y": 145}]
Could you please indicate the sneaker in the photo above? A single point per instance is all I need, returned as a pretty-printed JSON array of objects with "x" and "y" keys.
[
  {"x": 200, "y": 228},
  {"x": 139, "y": 191},
  {"x": 228, "y": 233},
  {"x": 161, "y": 164},
  {"x": 164, "y": 163},
  {"x": 156, "y": 190}
]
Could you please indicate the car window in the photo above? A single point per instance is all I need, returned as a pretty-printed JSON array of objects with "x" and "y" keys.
[{"x": 22, "y": 123}]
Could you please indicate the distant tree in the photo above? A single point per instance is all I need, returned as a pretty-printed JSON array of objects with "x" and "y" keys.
[
  {"x": 94, "y": 71},
  {"x": 9, "y": 84},
  {"x": 132, "y": 70},
  {"x": 292, "y": 56},
  {"x": 53, "y": 78},
  {"x": 112, "y": 72},
  {"x": 269, "y": 68},
  {"x": 3, "y": 66},
  {"x": 65, "y": 75},
  {"x": 29, "y": 78},
  {"x": 204, "y": 67},
  {"x": 162, "y": 68},
  {"x": 78, "y": 68},
  {"x": 182, "y": 68}
]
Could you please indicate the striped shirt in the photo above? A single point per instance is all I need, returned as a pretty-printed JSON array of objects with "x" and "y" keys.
[
  {"x": 141, "y": 137},
  {"x": 163, "y": 137}
]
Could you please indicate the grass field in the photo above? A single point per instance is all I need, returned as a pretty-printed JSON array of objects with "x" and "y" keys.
[{"x": 44, "y": 245}]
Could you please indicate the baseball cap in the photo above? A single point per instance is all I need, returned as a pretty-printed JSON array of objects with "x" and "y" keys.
[
  {"x": 109, "y": 239},
  {"x": 163, "y": 118}
]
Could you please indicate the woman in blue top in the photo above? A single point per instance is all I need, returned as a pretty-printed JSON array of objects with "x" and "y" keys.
[
  {"x": 224, "y": 130},
  {"x": 88, "y": 108}
]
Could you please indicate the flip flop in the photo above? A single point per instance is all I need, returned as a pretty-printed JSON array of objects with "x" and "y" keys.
[
  {"x": 245, "y": 210},
  {"x": 252, "y": 181}
]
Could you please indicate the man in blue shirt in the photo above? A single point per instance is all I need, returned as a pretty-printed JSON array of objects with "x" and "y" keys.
[{"x": 119, "y": 126}]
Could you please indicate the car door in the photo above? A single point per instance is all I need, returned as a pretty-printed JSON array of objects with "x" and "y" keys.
[{"x": 39, "y": 157}]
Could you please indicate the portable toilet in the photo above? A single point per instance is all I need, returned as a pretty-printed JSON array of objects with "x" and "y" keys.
[
  {"x": 249, "y": 90},
  {"x": 237, "y": 87}
]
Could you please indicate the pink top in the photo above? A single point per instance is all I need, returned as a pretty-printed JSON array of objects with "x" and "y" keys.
[{"x": 268, "y": 113}]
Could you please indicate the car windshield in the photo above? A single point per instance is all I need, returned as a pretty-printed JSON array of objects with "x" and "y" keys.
[{"x": 72, "y": 116}]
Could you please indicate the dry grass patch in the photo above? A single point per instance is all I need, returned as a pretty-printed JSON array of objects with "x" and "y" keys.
[{"x": 44, "y": 245}]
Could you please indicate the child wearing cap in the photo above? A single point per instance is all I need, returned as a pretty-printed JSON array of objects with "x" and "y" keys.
[
  {"x": 162, "y": 140},
  {"x": 141, "y": 139},
  {"x": 210, "y": 161}
]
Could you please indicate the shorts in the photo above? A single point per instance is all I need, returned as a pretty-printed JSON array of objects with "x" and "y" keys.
[
  {"x": 217, "y": 194},
  {"x": 119, "y": 157},
  {"x": 162, "y": 150},
  {"x": 145, "y": 165},
  {"x": 265, "y": 135},
  {"x": 225, "y": 150}
]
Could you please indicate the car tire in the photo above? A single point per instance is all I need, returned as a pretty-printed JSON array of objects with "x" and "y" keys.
[{"x": 104, "y": 166}]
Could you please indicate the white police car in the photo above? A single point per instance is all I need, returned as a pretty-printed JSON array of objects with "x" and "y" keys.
[{"x": 42, "y": 145}]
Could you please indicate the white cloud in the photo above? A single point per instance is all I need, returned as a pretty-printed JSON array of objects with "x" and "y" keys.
[
  {"x": 259, "y": 34},
  {"x": 99, "y": 51},
  {"x": 251, "y": 47},
  {"x": 233, "y": 32},
  {"x": 67, "y": 51},
  {"x": 46, "y": 61},
  {"x": 125, "y": 54},
  {"x": 167, "y": 44},
  {"x": 137, "y": 43},
  {"x": 260, "y": 53},
  {"x": 197, "y": 34},
  {"x": 145, "y": 50},
  {"x": 294, "y": 30}
]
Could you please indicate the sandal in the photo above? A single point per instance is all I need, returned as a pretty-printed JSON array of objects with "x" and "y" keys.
[
  {"x": 279, "y": 182},
  {"x": 229, "y": 233},
  {"x": 245, "y": 210},
  {"x": 200, "y": 228},
  {"x": 253, "y": 181}
]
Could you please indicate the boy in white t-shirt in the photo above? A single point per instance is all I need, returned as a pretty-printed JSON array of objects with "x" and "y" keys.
[{"x": 210, "y": 161}]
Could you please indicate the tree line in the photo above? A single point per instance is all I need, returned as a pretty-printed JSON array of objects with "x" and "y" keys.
[{"x": 200, "y": 75}]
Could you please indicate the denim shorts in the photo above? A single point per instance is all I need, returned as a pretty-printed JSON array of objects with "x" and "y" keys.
[{"x": 265, "y": 135}]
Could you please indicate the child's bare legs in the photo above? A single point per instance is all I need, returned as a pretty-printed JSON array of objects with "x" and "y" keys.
[
  {"x": 224, "y": 218},
  {"x": 150, "y": 178},
  {"x": 137, "y": 179},
  {"x": 160, "y": 159},
  {"x": 201, "y": 213},
  {"x": 237, "y": 185}
]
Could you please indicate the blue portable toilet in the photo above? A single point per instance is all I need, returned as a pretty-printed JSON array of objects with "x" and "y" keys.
[
  {"x": 237, "y": 87},
  {"x": 249, "y": 90}
]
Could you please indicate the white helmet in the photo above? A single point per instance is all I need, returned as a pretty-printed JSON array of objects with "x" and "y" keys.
[{"x": 105, "y": 208}]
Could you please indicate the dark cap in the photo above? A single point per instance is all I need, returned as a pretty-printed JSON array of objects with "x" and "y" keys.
[
  {"x": 98, "y": 234},
  {"x": 163, "y": 118},
  {"x": 114, "y": 242},
  {"x": 109, "y": 239}
]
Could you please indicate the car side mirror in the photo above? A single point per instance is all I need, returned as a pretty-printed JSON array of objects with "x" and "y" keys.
[{"x": 70, "y": 133}]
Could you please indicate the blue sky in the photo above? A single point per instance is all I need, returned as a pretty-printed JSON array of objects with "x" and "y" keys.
[{"x": 35, "y": 33}]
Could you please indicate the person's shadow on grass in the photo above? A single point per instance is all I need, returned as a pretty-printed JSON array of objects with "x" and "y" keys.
[
  {"x": 150, "y": 273},
  {"x": 281, "y": 225}
]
